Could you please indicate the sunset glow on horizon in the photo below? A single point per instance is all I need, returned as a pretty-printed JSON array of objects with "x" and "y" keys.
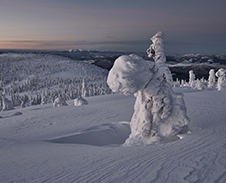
[{"x": 190, "y": 26}]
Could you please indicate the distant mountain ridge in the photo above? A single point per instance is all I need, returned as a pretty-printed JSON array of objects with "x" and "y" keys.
[
  {"x": 89, "y": 54},
  {"x": 179, "y": 64}
]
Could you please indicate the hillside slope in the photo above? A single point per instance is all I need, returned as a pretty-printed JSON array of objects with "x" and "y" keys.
[{"x": 83, "y": 144}]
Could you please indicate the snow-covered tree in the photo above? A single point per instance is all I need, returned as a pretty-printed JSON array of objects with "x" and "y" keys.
[
  {"x": 7, "y": 104},
  {"x": 158, "y": 112},
  {"x": 211, "y": 79},
  {"x": 221, "y": 82},
  {"x": 25, "y": 101},
  {"x": 59, "y": 101},
  {"x": 176, "y": 83},
  {"x": 183, "y": 83},
  {"x": 192, "y": 79},
  {"x": 199, "y": 85},
  {"x": 84, "y": 89}
]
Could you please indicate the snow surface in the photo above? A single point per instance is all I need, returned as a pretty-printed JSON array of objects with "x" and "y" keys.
[{"x": 83, "y": 144}]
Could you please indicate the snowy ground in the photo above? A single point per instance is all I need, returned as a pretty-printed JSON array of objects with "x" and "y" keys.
[{"x": 83, "y": 144}]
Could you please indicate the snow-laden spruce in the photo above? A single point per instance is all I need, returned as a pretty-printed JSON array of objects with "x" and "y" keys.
[
  {"x": 221, "y": 82},
  {"x": 211, "y": 79},
  {"x": 158, "y": 112},
  {"x": 199, "y": 85},
  {"x": 192, "y": 81},
  {"x": 6, "y": 104},
  {"x": 59, "y": 102}
]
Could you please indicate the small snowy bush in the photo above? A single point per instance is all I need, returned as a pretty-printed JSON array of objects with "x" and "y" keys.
[
  {"x": 80, "y": 101},
  {"x": 199, "y": 85},
  {"x": 59, "y": 101}
]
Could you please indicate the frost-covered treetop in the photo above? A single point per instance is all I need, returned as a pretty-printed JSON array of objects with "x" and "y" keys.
[
  {"x": 129, "y": 74},
  {"x": 156, "y": 50},
  {"x": 157, "y": 40}
]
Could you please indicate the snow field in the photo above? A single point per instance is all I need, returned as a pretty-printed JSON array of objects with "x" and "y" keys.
[{"x": 27, "y": 156}]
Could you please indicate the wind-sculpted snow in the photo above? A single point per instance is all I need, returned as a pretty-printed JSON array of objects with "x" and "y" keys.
[
  {"x": 130, "y": 74},
  {"x": 103, "y": 135},
  {"x": 26, "y": 157}
]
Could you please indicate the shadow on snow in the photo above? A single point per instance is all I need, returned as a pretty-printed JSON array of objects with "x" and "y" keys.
[{"x": 102, "y": 135}]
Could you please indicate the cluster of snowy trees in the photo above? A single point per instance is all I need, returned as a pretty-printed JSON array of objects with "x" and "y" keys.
[
  {"x": 68, "y": 89},
  {"x": 17, "y": 67},
  {"x": 32, "y": 79},
  {"x": 35, "y": 84},
  {"x": 215, "y": 81}
]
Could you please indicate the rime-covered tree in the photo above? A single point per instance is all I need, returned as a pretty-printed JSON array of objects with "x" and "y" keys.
[
  {"x": 221, "y": 82},
  {"x": 183, "y": 83},
  {"x": 59, "y": 101},
  {"x": 84, "y": 89},
  {"x": 192, "y": 79},
  {"x": 176, "y": 83},
  {"x": 199, "y": 85},
  {"x": 211, "y": 79},
  {"x": 159, "y": 113},
  {"x": 24, "y": 100},
  {"x": 6, "y": 104}
]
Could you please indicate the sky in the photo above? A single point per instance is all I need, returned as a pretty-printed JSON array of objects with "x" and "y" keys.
[{"x": 190, "y": 26}]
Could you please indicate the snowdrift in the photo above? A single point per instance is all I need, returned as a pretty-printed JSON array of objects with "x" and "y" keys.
[{"x": 102, "y": 135}]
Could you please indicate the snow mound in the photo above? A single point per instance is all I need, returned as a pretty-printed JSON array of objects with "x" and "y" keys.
[
  {"x": 102, "y": 135},
  {"x": 129, "y": 74},
  {"x": 59, "y": 101},
  {"x": 17, "y": 114},
  {"x": 80, "y": 101}
]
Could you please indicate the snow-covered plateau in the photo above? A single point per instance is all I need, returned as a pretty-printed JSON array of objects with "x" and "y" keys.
[{"x": 85, "y": 143}]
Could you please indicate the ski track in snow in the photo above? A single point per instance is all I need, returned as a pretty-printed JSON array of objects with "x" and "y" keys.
[{"x": 198, "y": 157}]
